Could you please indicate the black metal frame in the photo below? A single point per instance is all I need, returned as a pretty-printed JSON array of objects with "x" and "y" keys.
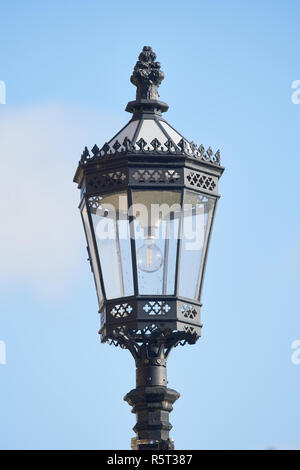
[
  {"x": 142, "y": 323},
  {"x": 129, "y": 167}
]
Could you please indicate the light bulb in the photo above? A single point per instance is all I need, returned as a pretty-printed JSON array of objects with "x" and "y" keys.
[{"x": 149, "y": 257}]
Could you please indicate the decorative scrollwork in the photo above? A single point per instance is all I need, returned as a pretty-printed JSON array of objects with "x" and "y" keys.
[{"x": 135, "y": 340}]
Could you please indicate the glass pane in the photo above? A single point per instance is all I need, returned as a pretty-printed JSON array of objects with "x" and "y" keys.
[
  {"x": 91, "y": 246},
  {"x": 125, "y": 254},
  {"x": 156, "y": 224},
  {"x": 174, "y": 135},
  {"x": 197, "y": 215},
  {"x": 171, "y": 132},
  {"x": 149, "y": 131},
  {"x": 172, "y": 234},
  {"x": 111, "y": 226},
  {"x": 128, "y": 132}
]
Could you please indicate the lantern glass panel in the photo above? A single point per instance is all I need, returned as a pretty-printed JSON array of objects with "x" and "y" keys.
[
  {"x": 92, "y": 253},
  {"x": 109, "y": 215},
  {"x": 196, "y": 224},
  {"x": 156, "y": 216}
]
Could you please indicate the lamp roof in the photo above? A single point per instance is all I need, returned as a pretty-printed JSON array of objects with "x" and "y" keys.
[{"x": 148, "y": 132}]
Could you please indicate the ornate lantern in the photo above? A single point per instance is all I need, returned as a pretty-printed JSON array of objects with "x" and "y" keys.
[{"x": 148, "y": 199}]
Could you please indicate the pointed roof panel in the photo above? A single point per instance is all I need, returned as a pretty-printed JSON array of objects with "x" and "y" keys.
[{"x": 154, "y": 131}]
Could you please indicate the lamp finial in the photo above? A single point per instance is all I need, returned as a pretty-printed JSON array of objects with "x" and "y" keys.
[{"x": 147, "y": 75}]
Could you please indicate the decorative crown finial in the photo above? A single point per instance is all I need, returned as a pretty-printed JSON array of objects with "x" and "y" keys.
[{"x": 147, "y": 75}]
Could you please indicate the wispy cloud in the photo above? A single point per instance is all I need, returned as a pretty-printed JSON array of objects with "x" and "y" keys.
[{"x": 40, "y": 226}]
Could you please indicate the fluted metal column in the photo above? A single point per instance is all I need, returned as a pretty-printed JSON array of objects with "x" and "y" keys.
[{"x": 151, "y": 400}]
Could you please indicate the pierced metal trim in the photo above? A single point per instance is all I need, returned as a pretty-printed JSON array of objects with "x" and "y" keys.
[
  {"x": 188, "y": 312},
  {"x": 137, "y": 314},
  {"x": 94, "y": 202},
  {"x": 121, "y": 310},
  {"x": 156, "y": 176},
  {"x": 158, "y": 307},
  {"x": 106, "y": 181},
  {"x": 197, "y": 180}
]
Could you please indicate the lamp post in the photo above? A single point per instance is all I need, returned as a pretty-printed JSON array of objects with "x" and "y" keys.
[{"x": 148, "y": 199}]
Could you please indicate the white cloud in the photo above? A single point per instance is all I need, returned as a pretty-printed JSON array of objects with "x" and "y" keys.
[{"x": 41, "y": 232}]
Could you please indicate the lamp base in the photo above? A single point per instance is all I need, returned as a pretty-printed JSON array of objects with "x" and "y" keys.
[
  {"x": 138, "y": 444},
  {"x": 152, "y": 406}
]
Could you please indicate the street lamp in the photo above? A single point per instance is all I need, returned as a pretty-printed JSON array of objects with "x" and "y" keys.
[{"x": 148, "y": 199}]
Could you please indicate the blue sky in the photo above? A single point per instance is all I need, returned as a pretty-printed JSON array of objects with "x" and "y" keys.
[{"x": 229, "y": 68}]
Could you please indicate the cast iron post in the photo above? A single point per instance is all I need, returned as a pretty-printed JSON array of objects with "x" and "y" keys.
[{"x": 151, "y": 400}]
